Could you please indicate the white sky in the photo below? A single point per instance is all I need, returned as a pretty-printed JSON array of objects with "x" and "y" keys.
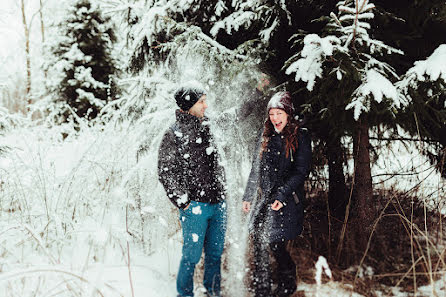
[
  {"x": 9, "y": 29},
  {"x": 12, "y": 36},
  {"x": 12, "y": 48}
]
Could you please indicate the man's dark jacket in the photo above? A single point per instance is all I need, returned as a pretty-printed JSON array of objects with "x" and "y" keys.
[
  {"x": 275, "y": 176},
  {"x": 188, "y": 165}
]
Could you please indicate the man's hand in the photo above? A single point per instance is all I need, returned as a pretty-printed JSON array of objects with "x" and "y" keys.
[
  {"x": 246, "y": 206},
  {"x": 277, "y": 205},
  {"x": 263, "y": 83}
]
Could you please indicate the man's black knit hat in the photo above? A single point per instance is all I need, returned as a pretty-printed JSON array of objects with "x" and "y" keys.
[{"x": 188, "y": 94}]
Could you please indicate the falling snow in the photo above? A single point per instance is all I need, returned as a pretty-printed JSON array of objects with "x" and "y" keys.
[{"x": 195, "y": 237}]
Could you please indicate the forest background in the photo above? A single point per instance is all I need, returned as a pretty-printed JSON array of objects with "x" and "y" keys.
[{"x": 86, "y": 94}]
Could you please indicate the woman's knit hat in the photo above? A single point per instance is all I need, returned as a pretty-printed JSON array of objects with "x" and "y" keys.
[
  {"x": 281, "y": 100},
  {"x": 188, "y": 94}
]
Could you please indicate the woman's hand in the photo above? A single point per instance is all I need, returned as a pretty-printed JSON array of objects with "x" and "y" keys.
[
  {"x": 246, "y": 206},
  {"x": 277, "y": 205}
]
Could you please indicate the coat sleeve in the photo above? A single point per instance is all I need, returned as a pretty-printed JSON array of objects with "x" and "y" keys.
[
  {"x": 253, "y": 180},
  {"x": 301, "y": 167},
  {"x": 171, "y": 171}
]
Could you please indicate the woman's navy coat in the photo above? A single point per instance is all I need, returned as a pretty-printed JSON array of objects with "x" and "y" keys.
[{"x": 277, "y": 177}]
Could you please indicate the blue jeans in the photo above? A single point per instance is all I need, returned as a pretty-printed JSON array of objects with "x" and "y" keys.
[{"x": 204, "y": 226}]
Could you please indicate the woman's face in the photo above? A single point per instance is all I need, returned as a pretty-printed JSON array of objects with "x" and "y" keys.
[{"x": 278, "y": 118}]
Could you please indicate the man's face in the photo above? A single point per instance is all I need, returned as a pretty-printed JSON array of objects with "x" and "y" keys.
[{"x": 199, "y": 107}]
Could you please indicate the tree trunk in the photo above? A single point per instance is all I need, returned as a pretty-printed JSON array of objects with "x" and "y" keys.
[
  {"x": 337, "y": 198},
  {"x": 42, "y": 24},
  {"x": 27, "y": 52},
  {"x": 365, "y": 206},
  {"x": 42, "y": 31}
]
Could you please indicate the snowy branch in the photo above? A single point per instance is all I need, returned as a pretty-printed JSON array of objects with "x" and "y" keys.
[{"x": 309, "y": 66}]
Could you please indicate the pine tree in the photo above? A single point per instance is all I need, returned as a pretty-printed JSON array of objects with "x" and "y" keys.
[
  {"x": 164, "y": 27},
  {"x": 82, "y": 68},
  {"x": 161, "y": 32},
  {"x": 425, "y": 118},
  {"x": 365, "y": 96},
  {"x": 419, "y": 30}
]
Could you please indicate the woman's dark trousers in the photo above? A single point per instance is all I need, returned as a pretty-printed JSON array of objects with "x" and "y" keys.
[{"x": 285, "y": 271}]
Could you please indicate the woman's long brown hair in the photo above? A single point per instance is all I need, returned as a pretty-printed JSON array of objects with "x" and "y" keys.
[{"x": 289, "y": 132}]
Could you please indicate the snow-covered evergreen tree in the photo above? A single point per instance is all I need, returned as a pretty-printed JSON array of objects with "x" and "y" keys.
[
  {"x": 81, "y": 68},
  {"x": 245, "y": 13},
  {"x": 425, "y": 118},
  {"x": 160, "y": 35},
  {"x": 354, "y": 55},
  {"x": 352, "y": 87}
]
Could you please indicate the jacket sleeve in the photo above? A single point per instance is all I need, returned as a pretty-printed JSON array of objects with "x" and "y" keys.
[
  {"x": 253, "y": 180},
  {"x": 301, "y": 167},
  {"x": 171, "y": 171}
]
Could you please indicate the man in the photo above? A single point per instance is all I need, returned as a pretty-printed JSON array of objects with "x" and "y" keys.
[{"x": 189, "y": 170}]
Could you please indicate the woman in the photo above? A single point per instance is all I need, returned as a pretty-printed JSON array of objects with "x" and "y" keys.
[{"x": 276, "y": 191}]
